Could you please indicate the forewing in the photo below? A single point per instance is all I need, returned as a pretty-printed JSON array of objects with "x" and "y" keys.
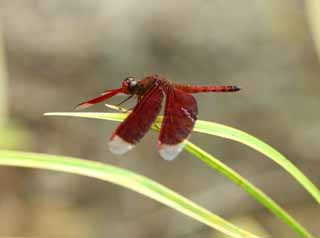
[
  {"x": 139, "y": 121},
  {"x": 105, "y": 95},
  {"x": 180, "y": 115}
]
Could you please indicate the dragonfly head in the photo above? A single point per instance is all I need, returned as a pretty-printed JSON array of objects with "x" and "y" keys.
[{"x": 129, "y": 85}]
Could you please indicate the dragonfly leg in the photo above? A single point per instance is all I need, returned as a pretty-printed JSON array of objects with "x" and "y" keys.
[{"x": 123, "y": 101}]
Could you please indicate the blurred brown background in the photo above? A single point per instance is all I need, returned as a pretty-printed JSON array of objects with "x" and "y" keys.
[{"x": 57, "y": 53}]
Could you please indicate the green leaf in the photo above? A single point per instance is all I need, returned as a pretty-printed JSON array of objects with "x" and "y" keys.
[
  {"x": 123, "y": 178},
  {"x": 225, "y": 132},
  {"x": 253, "y": 142},
  {"x": 242, "y": 137},
  {"x": 255, "y": 192}
]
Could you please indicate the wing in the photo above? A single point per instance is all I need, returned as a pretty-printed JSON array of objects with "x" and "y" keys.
[
  {"x": 180, "y": 115},
  {"x": 139, "y": 121},
  {"x": 105, "y": 95}
]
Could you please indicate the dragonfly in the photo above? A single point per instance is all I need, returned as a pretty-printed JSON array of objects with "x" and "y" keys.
[{"x": 180, "y": 112}]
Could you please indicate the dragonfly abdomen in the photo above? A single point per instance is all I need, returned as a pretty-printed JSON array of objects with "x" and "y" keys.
[{"x": 204, "y": 89}]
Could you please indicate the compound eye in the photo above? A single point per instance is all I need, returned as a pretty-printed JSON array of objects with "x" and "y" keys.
[{"x": 131, "y": 82}]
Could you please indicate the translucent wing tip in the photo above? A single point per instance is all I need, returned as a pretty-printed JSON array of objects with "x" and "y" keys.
[
  {"x": 118, "y": 146},
  {"x": 169, "y": 152}
]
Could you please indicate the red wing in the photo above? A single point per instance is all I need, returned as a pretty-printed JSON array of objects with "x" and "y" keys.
[
  {"x": 139, "y": 121},
  {"x": 180, "y": 116},
  {"x": 105, "y": 95}
]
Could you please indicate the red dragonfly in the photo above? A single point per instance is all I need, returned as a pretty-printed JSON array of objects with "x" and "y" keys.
[{"x": 180, "y": 112}]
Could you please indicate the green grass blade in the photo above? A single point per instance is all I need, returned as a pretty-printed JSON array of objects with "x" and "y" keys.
[
  {"x": 248, "y": 187},
  {"x": 251, "y": 141},
  {"x": 228, "y": 133},
  {"x": 123, "y": 178},
  {"x": 201, "y": 126}
]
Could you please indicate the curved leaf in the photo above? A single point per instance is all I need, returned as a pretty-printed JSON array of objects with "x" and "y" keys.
[
  {"x": 123, "y": 178},
  {"x": 251, "y": 141},
  {"x": 230, "y": 133},
  {"x": 255, "y": 192},
  {"x": 225, "y": 132}
]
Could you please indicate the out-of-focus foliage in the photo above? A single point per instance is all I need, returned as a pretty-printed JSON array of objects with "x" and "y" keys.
[
  {"x": 313, "y": 10},
  {"x": 14, "y": 136},
  {"x": 3, "y": 82}
]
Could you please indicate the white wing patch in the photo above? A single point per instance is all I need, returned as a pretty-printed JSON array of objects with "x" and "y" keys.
[
  {"x": 170, "y": 152},
  {"x": 118, "y": 146}
]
